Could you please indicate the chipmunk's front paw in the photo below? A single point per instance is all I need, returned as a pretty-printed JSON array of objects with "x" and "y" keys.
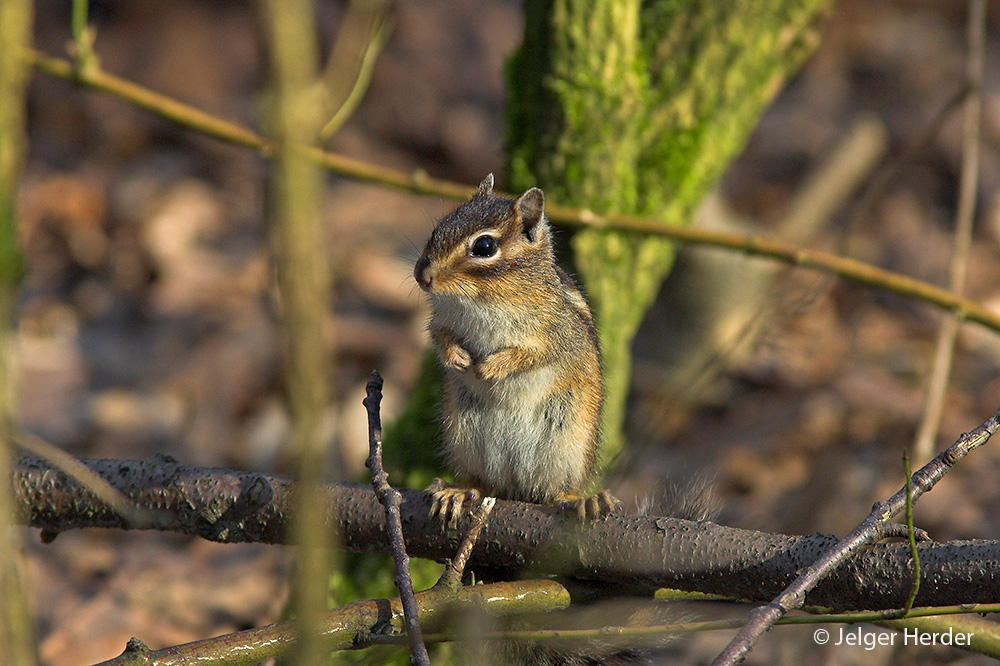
[
  {"x": 456, "y": 358},
  {"x": 601, "y": 505},
  {"x": 495, "y": 366},
  {"x": 448, "y": 501}
]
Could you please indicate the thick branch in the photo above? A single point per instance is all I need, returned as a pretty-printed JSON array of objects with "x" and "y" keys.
[{"x": 228, "y": 506}]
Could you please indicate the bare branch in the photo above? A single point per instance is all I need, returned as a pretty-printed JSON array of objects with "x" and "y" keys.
[
  {"x": 870, "y": 531},
  {"x": 82, "y": 47},
  {"x": 391, "y": 499}
]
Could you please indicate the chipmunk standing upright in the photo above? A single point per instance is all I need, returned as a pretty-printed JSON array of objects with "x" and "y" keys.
[{"x": 523, "y": 385}]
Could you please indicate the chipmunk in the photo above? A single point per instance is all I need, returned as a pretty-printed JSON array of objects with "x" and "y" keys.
[{"x": 523, "y": 387}]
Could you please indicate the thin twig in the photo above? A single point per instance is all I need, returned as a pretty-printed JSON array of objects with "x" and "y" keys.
[
  {"x": 83, "y": 37},
  {"x": 18, "y": 645},
  {"x": 884, "y": 618},
  {"x": 365, "y": 30},
  {"x": 391, "y": 499},
  {"x": 304, "y": 286},
  {"x": 452, "y": 576},
  {"x": 419, "y": 182},
  {"x": 871, "y": 530},
  {"x": 944, "y": 352},
  {"x": 901, "y": 531},
  {"x": 76, "y": 470}
]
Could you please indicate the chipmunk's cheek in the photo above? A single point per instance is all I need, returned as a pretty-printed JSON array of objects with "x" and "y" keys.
[
  {"x": 447, "y": 283},
  {"x": 439, "y": 284}
]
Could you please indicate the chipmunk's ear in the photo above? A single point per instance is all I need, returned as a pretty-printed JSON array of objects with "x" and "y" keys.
[
  {"x": 530, "y": 207},
  {"x": 486, "y": 187}
]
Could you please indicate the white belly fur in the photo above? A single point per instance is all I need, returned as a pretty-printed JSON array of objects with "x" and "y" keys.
[{"x": 505, "y": 433}]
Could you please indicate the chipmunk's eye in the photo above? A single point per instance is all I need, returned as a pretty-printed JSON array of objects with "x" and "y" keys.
[{"x": 484, "y": 246}]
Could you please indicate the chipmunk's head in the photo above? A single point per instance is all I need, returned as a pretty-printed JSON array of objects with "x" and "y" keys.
[{"x": 483, "y": 248}]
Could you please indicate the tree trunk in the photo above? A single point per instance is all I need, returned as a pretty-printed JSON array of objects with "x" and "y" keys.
[{"x": 637, "y": 108}]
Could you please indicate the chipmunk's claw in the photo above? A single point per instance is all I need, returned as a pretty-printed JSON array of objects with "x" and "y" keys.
[
  {"x": 448, "y": 502},
  {"x": 591, "y": 508}
]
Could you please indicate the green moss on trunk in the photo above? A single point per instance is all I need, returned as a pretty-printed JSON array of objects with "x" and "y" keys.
[{"x": 637, "y": 107}]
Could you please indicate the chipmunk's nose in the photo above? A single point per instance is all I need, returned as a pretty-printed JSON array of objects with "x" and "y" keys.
[{"x": 423, "y": 275}]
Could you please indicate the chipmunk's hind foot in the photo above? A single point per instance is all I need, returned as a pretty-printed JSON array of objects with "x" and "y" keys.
[
  {"x": 449, "y": 501},
  {"x": 590, "y": 508}
]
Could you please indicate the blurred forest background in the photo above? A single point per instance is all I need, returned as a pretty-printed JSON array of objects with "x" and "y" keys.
[{"x": 147, "y": 321}]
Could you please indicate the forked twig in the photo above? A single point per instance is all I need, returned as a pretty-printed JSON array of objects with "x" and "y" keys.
[
  {"x": 452, "y": 575},
  {"x": 871, "y": 530},
  {"x": 391, "y": 499}
]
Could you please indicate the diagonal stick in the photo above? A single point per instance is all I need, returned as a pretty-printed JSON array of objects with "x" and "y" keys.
[{"x": 871, "y": 530}]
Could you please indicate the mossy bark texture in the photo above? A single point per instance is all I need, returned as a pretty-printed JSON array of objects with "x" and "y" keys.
[{"x": 637, "y": 107}]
